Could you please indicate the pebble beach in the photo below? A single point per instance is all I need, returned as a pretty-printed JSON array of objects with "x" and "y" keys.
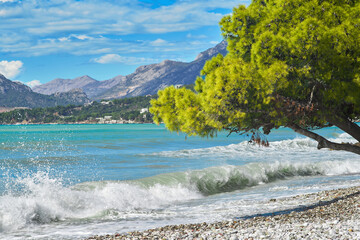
[{"x": 333, "y": 214}]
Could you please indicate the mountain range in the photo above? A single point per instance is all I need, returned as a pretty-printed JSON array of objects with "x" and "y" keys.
[
  {"x": 16, "y": 94},
  {"x": 147, "y": 79}
]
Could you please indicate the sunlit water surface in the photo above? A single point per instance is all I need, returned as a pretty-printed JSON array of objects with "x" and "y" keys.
[{"x": 74, "y": 181}]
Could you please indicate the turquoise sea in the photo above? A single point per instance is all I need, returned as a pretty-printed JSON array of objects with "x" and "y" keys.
[{"x": 75, "y": 181}]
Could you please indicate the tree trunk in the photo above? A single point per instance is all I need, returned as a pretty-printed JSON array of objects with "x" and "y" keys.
[
  {"x": 346, "y": 125},
  {"x": 323, "y": 142}
]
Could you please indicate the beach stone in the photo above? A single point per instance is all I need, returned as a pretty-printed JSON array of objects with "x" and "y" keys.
[{"x": 334, "y": 220}]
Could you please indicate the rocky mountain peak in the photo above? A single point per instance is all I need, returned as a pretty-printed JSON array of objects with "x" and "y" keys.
[
  {"x": 146, "y": 79},
  {"x": 85, "y": 78},
  {"x": 211, "y": 52},
  {"x": 7, "y": 85},
  {"x": 16, "y": 94},
  {"x": 76, "y": 95},
  {"x": 167, "y": 62},
  {"x": 64, "y": 85}
]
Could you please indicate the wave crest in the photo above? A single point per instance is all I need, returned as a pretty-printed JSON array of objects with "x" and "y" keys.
[{"x": 46, "y": 199}]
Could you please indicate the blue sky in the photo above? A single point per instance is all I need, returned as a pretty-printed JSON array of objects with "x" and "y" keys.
[{"x": 45, "y": 39}]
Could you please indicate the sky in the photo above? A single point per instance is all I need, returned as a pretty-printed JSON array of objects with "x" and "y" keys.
[{"x": 41, "y": 40}]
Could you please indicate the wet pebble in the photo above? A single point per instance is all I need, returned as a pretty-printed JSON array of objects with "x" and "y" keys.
[{"x": 337, "y": 216}]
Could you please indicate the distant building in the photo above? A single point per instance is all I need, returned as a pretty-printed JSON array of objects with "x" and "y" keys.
[
  {"x": 144, "y": 110},
  {"x": 105, "y": 102},
  {"x": 178, "y": 85},
  {"x": 6, "y": 109},
  {"x": 88, "y": 104},
  {"x": 107, "y": 117},
  {"x": 100, "y": 120}
]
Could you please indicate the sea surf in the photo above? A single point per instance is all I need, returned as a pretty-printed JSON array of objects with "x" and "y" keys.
[{"x": 75, "y": 181}]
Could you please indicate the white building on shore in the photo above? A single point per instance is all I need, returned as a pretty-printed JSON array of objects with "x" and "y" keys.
[{"x": 144, "y": 110}]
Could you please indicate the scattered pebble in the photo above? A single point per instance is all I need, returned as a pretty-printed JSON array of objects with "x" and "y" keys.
[{"x": 336, "y": 215}]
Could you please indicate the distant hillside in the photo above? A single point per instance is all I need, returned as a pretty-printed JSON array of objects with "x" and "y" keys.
[
  {"x": 145, "y": 80},
  {"x": 127, "y": 110},
  {"x": 63, "y": 85},
  {"x": 15, "y": 94},
  {"x": 99, "y": 87},
  {"x": 75, "y": 96},
  {"x": 151, "y": 78}
]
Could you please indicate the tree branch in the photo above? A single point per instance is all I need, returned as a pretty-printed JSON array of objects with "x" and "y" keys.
[
  {"x": 323, "y": 142},
  {"x": 346, "y": 125},
  {"x": 312, "y": 94}
]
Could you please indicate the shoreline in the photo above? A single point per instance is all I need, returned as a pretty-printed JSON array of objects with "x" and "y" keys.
[
  {"x": 76, "y": 123},
  {"x": 334, "y": 215}
]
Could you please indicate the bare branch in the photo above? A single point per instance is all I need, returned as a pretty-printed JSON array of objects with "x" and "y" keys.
[
  {"x": 323, "y": 142},
  {"x": 346, "y": 125},
  {"x": 312, "y": 94}
]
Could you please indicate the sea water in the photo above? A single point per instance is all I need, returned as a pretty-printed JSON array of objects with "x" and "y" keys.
[{"x": 75, "y": 181}]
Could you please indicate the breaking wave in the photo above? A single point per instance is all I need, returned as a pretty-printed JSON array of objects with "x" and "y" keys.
[
  {"x": 44, "y": 199},
  {"x": 291, "y": 149}
]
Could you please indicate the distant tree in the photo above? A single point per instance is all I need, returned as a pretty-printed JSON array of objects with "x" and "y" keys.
[{"x": 292, "y": 63}]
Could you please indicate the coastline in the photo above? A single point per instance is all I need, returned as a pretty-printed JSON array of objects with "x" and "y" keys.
[
  {"x": 74, "y": 123},
  {"x": 334, "y": 215}
]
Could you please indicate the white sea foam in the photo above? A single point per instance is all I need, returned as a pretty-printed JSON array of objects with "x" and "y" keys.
[
  {"x": 44, "y": 199},
  {"x": 298, "y": 149}
]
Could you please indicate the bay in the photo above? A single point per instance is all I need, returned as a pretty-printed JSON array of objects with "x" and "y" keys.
[{"x": 74, "y": 181}]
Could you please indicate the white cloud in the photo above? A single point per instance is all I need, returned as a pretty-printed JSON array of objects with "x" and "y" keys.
[
  {"x": 196, "y": 36},
  {"x": 4, "y": 1},
  {"x": 67, "y": 44},
  {"x": 74, "y": 36},
  {"x": 33, "y": 83},
  {"x": 82, "y": 37},
  {"x": 42, "y": 27},
  {"x": 159, "y": 42},
  {"x": 3, "y": 13},
  {"x": 196, "y": 43},
  {"x": 63, "y": 39},
  {"x": 10, "y": 69},
  {"x": 109, "y": 58},
  {"x": 116, "y": 58}
]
